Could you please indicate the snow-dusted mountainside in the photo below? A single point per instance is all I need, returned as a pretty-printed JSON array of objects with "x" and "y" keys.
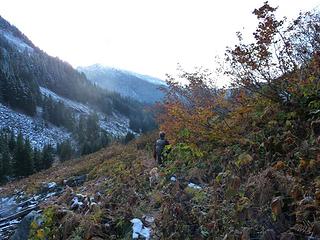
[
  {"x": 28, "y": 76},
  {"x": 17, "y": 42},
  {"x": 140, "y": 87},
  {"x": 41, "y": 132},
  {"x": 115, "y": 124},
  {"x": 36, "y": 129},
  {"x": 14, "y": 36}
]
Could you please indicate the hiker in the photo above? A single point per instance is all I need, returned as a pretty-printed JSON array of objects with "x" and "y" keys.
[{"x": 159, "y": 147}]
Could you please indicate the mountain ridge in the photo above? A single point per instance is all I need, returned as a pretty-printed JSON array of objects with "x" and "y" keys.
[{"x": 140, "y": 87}]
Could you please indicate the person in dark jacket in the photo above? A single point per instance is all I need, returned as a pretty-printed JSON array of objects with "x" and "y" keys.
[{"x": 159, "y": 147}]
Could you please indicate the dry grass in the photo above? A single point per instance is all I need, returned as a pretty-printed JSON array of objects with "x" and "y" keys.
[{"x": 60, "y": 172}]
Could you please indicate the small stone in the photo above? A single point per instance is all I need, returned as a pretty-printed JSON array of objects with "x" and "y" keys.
[{"x": 149, "y": 219}]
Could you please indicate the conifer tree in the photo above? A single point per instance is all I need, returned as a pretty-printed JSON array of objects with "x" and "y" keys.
[
  {"x": 27, "y": 161},
  {"x": 37, "y": 161},
  {"x": 47, "y": 156},
  {"x": 64, "y": 150},
  {"x": 6, "y": 161},
  {"x": 19, "y": 156},
  {"x": 12, "y": 142}
]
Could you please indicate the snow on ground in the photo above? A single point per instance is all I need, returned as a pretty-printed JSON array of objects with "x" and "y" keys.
[
  {"x": 79, "y": 107},
  {"x": 116, "y": 124},
  {"x": 21, "y": 46},
  {"x": 41, "y": 132},
  {"x": 38, "y": 132}
]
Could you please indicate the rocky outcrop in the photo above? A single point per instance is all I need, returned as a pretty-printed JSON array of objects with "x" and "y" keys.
[{"x": 22, "y": 232}]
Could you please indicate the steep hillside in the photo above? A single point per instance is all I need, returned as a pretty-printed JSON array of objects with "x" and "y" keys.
[
  {"x": 230, "y": 191},
  {"x": 140, "y": 87},
  {"x": 115, "y": 124},
  {"x": 50, "y": 112},
  {"x": 41, "y": 86},
  {"x": 36, "y": 129}
]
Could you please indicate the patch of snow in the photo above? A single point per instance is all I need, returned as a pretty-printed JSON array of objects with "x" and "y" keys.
[
  {"x": 116, "y": 124},
  {"x": 8, "y": 206},
  {"x": 52, "y": 185},
  {"x": 173, "y": 179},
  {"x": 49, "y": 195},
  {"x": 36, "y": 129},
  {"x": 113, "y": 71},
  {"x": 139, "y": 230},
  {"x": 78, "y": 107},
  {"x": 21, "y": 46},
  {"x": 194, "y": 186},
  {"x": 14, "y": 222},
  {"x": 76, "y": 203}
]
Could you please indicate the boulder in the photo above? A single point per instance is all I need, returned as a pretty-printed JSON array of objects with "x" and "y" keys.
[
  {"x": 22, "y": 232},
  {"x": 49, "y": 187},
  {"x": 75, "y": 181}
]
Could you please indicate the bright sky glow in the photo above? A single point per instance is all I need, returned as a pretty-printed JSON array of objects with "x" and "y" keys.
[{"x": 146, "y": 36}]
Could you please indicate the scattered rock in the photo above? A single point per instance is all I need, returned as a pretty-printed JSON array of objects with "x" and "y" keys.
[
  {"x": 75, "y": 181},
  {"x": 50, "y": 189},
  {"x": 149, "y": 220}
]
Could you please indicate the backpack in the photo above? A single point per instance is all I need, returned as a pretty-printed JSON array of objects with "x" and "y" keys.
[{"x": 160, "y": 144}]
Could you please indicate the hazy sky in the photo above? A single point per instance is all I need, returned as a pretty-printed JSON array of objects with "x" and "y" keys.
[{"x": 146, "y": 36}]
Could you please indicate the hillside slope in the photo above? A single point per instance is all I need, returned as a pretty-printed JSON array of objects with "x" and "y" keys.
[
  {"x": 49, "y": 90},
  {"x": 239, "y": 199}
]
